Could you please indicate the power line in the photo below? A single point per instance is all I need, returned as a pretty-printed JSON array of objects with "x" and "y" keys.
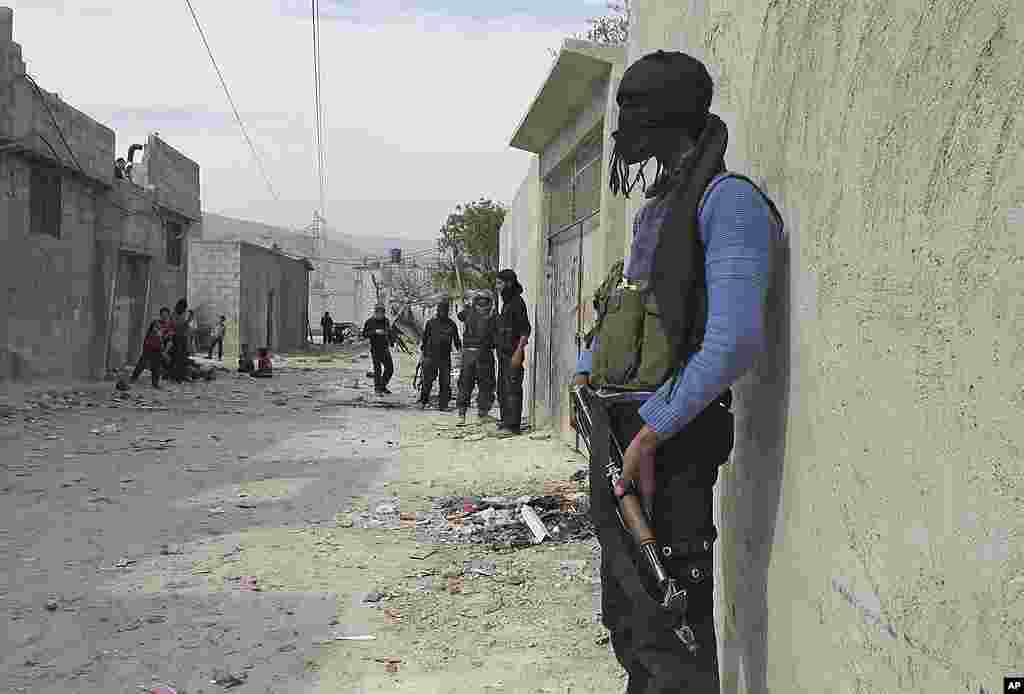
[
  {"x": 318, "y": 103},
  {"x": 227, "y": 92}
]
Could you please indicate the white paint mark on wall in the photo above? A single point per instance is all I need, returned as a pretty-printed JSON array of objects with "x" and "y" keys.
[
  {"x": 868, "y": 604},
  {"x": 917, "y": 535}
]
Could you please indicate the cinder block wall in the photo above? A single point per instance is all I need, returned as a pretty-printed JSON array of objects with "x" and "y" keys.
[
  {"x": 47, "y": 282},
  {"x": 872, "y": 510},
  {"x": 213, "y": 287}
]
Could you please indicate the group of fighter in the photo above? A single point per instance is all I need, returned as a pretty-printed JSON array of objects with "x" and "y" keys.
[{"x": 489, "y": 338}]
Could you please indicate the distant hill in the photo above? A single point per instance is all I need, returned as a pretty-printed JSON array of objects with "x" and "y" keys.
[{"x": 220, "y": 228}]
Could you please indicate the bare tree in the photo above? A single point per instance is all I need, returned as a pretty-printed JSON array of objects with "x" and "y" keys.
[{"x": 613, "y": 28}]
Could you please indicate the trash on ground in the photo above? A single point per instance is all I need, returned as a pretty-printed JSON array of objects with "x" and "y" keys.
[
  {"x": 228, "y": 679},
  {"x": 373, "y": 596},
  {"x": 534, "y": 522},
  {"x": 366, "y": 637},
  {"x": 498, "y": 521}
]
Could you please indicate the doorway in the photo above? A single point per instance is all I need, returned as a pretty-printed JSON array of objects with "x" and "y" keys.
[{"x": 128, "y": 309}]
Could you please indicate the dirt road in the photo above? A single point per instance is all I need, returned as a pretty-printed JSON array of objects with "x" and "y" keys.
[{"x": 221, "y": 535}]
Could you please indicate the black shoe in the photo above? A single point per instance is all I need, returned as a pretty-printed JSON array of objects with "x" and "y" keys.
[
  {"x": 385, "y": 391},
  {"x": 444, "y": 408}
]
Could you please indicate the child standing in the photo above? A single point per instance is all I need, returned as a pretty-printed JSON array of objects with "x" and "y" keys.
[
  {"x": 218, "y": 339},
  {"x": 151, "y": 355}
]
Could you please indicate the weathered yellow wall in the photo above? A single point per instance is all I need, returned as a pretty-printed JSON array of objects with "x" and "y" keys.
[{"x": 872, "y": 512}]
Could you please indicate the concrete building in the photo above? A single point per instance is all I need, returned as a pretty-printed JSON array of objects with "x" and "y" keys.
[
  {"x": 263, "y": 293},
  {"x": 870, "y": 514},
  {"x": 339, "y": 256},
  {"x": 87, "y": 257},
  {"x": 563, "y": 228}
]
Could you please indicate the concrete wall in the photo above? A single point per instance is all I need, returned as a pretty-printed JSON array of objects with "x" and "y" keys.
[
  {"x": 171, "y": 176},
  {"x": 128, "y": 223},
  {"x": 47, "y": 283},
  {"x": 521, "y": 247},
  {"x": 214, "y": 283},
  {"x": 872, "y": 510},
  {"x": 25, "y": 120},
  {"x": 339, "y": 278},
  {"x": 58, "y": 292},
  {"x": 264, "y": 271}
]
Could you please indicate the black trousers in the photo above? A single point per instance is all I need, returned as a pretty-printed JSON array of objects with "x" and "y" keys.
[
  {"x": 179, "y": 355},
  {"x": 218, "y": 343},
  {"x": 686, "y": 470},
  {"x": 477, "y": 370},
  {"x": 383, "y": 369},
  {"x": 510, "y": 392},
  {"x": 436, "y": 370},
  {"x": 152, "y": 361}
]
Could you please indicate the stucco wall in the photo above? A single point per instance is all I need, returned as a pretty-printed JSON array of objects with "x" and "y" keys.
[
  {"x": 520, "y": 248},
  {"x": 872, "y": 510}
]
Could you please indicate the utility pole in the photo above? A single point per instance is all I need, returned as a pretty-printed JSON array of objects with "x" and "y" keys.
[{"x": 319, "y": 284}]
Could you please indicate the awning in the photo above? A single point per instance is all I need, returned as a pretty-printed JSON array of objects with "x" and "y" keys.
[{"x": 568, "y": 88}]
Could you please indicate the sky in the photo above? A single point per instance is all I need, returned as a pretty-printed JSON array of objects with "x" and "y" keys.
[{"x": 421, "y": 97}]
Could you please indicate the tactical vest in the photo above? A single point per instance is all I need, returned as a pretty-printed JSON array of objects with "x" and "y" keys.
[
  {"x": 480, "y": 330},
  {"x": 632, "y": 350}
]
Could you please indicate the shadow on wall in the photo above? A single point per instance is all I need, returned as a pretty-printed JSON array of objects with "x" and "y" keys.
[{"x": 751, "y": 494}]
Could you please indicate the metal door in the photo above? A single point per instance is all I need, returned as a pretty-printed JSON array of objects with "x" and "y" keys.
[{"x": 569, "y": 250}]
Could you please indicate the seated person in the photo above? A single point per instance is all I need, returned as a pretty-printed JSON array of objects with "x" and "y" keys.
[
  {"x": 245, "y": 363},
  {"x": 264, "y": 367}
]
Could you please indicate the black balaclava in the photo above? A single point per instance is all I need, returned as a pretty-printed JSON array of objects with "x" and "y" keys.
[
  {"x": 512, "y": 286},
  {"x": 664, "y": 100},
  {"x": 442, "y": 309}
]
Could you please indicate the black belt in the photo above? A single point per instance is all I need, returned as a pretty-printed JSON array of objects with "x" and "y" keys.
[{"x": 688, "y": 547}]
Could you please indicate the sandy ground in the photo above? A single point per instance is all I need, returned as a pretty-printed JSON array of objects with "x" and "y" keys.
[{"x": 204, "y": 532}]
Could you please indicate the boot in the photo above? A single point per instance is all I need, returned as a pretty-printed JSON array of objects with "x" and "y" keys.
[{"x": 462, "y": 418}]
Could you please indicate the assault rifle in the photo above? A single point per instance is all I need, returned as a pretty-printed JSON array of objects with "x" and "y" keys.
[{"x": 629, "y": 509}]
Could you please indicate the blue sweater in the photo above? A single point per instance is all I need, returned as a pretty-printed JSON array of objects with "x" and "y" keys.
[{"x": 740, "y": 234}]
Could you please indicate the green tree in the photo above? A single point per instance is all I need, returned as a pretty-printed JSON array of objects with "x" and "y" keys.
[{"x": 468, "y": 245}]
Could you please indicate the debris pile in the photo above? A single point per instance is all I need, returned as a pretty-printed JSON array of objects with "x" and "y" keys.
[{"x": 560, "y": 515}]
